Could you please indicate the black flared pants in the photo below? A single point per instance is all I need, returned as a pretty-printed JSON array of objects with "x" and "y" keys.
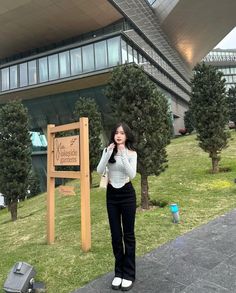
[{"x": 121, "y": 208}]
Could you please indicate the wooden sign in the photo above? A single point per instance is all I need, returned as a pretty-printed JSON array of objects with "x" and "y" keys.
[
  {"x": 72, "y": 151},
  {"x": 66, "y": 151},
  {"x": 66, "y": 190}
]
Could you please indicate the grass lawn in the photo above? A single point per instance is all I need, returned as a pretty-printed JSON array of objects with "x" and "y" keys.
[{"x": 64, "y": 267}]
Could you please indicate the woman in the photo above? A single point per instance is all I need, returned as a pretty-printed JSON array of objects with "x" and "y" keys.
[{"x": 120, "y": 159}]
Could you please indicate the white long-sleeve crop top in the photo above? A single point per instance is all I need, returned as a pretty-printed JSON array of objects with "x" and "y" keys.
[{"x": 123, "y": 170}]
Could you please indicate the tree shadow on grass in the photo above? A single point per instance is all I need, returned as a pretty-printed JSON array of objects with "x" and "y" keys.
[
  {"x": 23, "y": 217},
  {"x": 221, "y": 170}
]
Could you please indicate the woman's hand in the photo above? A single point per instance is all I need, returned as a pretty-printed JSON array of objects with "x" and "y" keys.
[
  {"x": 111, "y": 146},
  {"x": 121, "y": 147}
]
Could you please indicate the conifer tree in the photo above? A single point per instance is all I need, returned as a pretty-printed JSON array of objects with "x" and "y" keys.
[
  {"x": 210, "y": 111},
  {"x": 34, "y": 184},
  {"x": 87, "y": 107},
  {"x": 232, "y": 104},
  {"x": 15, "y": 153},
  {"x": 188, "y": 121},
  {"x": 136, "y": 101}
]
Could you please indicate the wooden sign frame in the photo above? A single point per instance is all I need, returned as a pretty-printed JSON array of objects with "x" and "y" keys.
[{"x": 83, "y": 175}]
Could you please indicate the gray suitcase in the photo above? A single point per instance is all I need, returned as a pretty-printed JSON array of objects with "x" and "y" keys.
[{"x": 20, "y": 278}]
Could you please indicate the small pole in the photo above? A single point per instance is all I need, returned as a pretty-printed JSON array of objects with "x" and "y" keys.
[{"x": 50, "y": 189}]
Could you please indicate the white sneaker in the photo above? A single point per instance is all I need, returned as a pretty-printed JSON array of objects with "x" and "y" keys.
[
  {"x": 116, "y": 283},
  {"x": 126, "y": 285}
]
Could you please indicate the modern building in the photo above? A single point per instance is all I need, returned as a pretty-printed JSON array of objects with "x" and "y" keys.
[
  {"x": 52, "y": 52},
  {"x": 224, "y": 61}
]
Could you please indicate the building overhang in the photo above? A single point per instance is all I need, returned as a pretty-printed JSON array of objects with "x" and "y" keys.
[
  {"x": 26, "y": 24},
  {"x": 195, "y": 27}
]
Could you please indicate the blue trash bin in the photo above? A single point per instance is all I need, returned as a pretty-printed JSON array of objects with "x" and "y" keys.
[{"x": 175, "y": 212}]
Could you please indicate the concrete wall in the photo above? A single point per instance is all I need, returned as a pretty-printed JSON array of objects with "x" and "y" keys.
[{"x": 178, "y": 108}]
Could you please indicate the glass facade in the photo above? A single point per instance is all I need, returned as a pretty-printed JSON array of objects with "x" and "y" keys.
[
  {"x": 224, "y": 61},
  {"x": 76, "y": 61},
  {"x": 5, "y": 79},
  {"x": 39, "y": 141},
  {"x": 32, "y": 72},
  {"x": 114, "y": 51},
  {"x": 23, "y": 75},
  {"x": 152, "y": 1},
  {"x": 53, "y": 67},
  {"x": 89, "y": 58},
  {"x": 124, "y": 54},
  {"x": 13, "y": 77},
  {"x": 100, "y": 55},
  {"x": 43, "y": 69},
  {"x": 84, "y": 59},
  {"x": 64, "y": 64}
]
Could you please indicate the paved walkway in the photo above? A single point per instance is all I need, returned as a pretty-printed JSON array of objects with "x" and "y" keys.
[{"x": 200, "y": 261}]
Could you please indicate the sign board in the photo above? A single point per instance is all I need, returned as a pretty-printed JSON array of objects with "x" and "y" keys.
[
  {"x": 66, "y": 151},
  {"x": 66, "y": 190},
  {"x": 69, "y": 151}
]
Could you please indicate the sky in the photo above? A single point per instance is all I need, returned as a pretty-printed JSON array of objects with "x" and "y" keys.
[{"x": 229, "y": 42}]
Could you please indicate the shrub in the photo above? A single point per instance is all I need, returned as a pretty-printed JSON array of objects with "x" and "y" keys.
[{"x": 159, "y": 202}]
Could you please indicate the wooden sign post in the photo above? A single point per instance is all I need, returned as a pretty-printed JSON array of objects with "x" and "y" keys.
[{"x": 69, "y": 151}]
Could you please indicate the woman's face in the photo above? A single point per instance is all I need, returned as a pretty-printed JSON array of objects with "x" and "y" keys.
[{"x": 120, "y": 136}]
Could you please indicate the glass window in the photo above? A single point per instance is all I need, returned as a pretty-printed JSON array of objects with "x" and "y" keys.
[
  {"x": 76, "y": 61},
  {"x": 53, "y": 67},
  {"x": 38, "y": 140},
  {"x": 13, "y": 77},
  {"x": 88, "y": 58},
  {"x": 135, "y": 56},
  {"x": 5, "y": 79},
  {"x": 233, "y": 70},
  {"x": 114, "y": 55},
  {"x": 64, "y": 60},
  {"x": 151, "y": 1},
  {"x": 124, "y": 51},
  {"x": 130, "y": 54},
  {"x": 222, "y": 70},
  {"x": 100, "y": 55},
  {"x": 23, "y": 74},
  {"x": 32, "y": 72},
  {"x": 141, "y": 59},
  {"x": 43, "y": 69}
]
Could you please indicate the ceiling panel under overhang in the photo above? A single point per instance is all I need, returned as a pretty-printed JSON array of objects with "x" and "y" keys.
[
  {"x": 29, "y": 24},
  {"x": 195, "y": 27}
]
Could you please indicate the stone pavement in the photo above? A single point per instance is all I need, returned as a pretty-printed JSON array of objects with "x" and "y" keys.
[{"x": 200, "y": 261}]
